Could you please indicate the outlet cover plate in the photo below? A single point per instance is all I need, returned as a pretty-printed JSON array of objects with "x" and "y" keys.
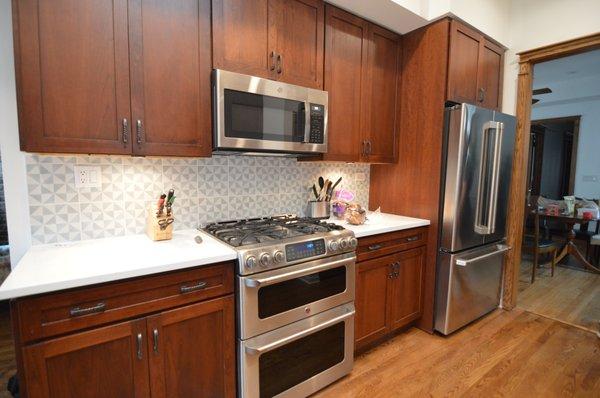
[{"x": 88, "y": 177}]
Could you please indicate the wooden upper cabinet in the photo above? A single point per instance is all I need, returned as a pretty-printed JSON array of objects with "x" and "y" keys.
[
  {"x": 276, "y": 39},
  {"x": 297, "y": 30},
  {"x": 345, "y": 63},
  {"x": 104, "y": 362},
  {"x": 170, "y": 77},
  {"x": 475, "y": 68},
  {"x": 407, "y": 287},
  {"x": 192, "y": 350},
  {"x": 362, "y": 77},
  {"x": 382, "y": 102},
  {"x": 241, "y": 37},
  {"x": 72, "y": 69}
]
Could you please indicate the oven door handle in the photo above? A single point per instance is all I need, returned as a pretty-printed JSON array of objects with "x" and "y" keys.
[
  {"x": 270, "y": 280},
  {"x": 278, "y": 343}
]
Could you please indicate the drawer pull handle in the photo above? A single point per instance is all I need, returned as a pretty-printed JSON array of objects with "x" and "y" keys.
[
  {"x": 412, "y": 238},
  {"x": 155, "y": 338},
  {"x": 198, "y": 286},
  {"x": 78, "y": 311},
  {"x": 375, "y": 247}
]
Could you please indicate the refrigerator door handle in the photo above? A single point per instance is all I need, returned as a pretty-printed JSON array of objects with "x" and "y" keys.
[
  {"x": 466, "y": 262},
  {"x": 492, "y": 199}
]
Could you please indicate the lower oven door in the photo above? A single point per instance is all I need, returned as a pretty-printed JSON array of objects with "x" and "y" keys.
[
  {"x": 298, "y": 359},
  {"x": 277, "y": 298}
]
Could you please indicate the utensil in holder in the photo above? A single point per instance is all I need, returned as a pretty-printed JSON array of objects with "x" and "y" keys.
[
  {"x": 159, "y": 227},
  {"x": 318, "y": 209}
]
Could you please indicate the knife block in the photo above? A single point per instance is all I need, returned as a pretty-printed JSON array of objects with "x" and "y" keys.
[{"x": 153, "y": 227}]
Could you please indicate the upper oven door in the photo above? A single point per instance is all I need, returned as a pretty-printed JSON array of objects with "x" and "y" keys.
[
  {"x": 276, "y": 298},
  {"x": 255, "y": 114}
]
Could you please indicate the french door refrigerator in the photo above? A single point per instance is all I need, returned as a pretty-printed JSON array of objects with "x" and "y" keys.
[{"x": 477, "y": 163}]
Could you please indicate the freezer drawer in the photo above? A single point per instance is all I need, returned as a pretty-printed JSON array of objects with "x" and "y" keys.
[{"x": 468, "y": 285}]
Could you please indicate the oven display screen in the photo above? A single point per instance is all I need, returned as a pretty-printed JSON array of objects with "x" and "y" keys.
[{"x": 298, "y": 251}]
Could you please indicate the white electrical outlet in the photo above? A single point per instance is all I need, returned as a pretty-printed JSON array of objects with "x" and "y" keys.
[
  {"x": 590, "y": 178},
  {"x": 88, "y": 177}
]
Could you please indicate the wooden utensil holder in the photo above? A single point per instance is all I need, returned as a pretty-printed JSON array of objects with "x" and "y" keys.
[{"x": 153, "y": 227}]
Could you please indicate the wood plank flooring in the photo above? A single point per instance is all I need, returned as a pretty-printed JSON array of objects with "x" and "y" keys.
[
  {"x": 571, "y": 296},
  {"x": 506, "y": 354}
]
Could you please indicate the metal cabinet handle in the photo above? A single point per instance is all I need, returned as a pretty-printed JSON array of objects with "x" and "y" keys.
[
  {"x": 78, "y": 311},
  {"x": 369, "y": 147},
  {"x": 139, "y": 345},
  {"x": 279, "y": 63},
  {"x": 412, "y": 238},
  {"x": 125, "y": 131},
  {"x": 481, "y": 96},
  {"x": 138, "y": 132},
  {"x": 376, "y": 246},
  {"x": 272, "y": 63},
  {"x": 155, "y": 340},
  {"x": 198, "y": 286}
]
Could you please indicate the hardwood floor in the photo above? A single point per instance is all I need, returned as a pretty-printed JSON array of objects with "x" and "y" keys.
[
  {"x": 506, "y": 354},
  {"x": 509, "y": 354},
  {"x": 571, "y": 296}
]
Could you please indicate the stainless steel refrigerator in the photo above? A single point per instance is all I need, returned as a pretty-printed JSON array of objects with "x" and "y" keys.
[{"x": 478, "y": 153}]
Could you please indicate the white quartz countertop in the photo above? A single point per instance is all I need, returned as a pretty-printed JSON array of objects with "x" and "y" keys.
[
  {"x": 53, "y": 267},
  {"x": 47, "y": 268},
  {"x": 379, "y": 223}
]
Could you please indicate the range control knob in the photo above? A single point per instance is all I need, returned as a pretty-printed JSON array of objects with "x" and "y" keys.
[
  {"x": 265, "y": 259},
  {"x": 251, "y": 262},
  {"x": 353, "y": 243},
  {"x": 278, "y": 256},
  {"x": 334, "y": 246},
  {"x": 344, "y": 244}
]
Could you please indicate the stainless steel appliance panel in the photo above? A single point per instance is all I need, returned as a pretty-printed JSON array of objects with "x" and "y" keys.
[
  {"x": 468, "y": 285},
  {"x": 279, "y": 297},
  {"x": 298, "y": 359},
  {"x": 271, "y": 91},
  {"x": 467, "y": 128}
]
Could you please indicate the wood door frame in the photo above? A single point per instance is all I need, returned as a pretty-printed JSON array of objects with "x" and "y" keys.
[
  {"x": 576, "y": 120},
  {"x": 518, "y": 188}
]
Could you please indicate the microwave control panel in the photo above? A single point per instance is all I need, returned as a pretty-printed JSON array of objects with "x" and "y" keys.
[{"x": 317, "y": 124}]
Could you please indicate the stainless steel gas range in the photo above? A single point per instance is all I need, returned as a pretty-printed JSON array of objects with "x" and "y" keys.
[{"x": 295, "y": 303}]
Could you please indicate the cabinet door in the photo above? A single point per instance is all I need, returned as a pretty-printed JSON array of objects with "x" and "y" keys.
[
  {"x": 297, "y": 29},
  {"x": 72, "y": 67},
  {"x": 240, "y": 37},
  {"x": 372, "y": 298},
  {"x": 345, "y": 62},
  {"x": 170, "y": 72},
  {"x": 463, "y": 63},
  {"x": 192, "y": 350},
  {"x": 490, "y": 75},
  {"x": 382, "y": 102},
  {"x": 407, "y": 287},
  {"x": 104, "y": 362}
]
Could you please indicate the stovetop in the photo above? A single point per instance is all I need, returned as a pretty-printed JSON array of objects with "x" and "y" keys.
[
  {"x": 268, "y": 230},
  {"x": 275, "y": 242}
]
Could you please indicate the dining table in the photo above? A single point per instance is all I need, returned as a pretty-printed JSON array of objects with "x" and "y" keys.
[{"x": 570, "y": 248}]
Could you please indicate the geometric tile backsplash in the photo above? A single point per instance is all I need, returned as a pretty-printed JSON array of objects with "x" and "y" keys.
[{"x": 207, "y": 189}]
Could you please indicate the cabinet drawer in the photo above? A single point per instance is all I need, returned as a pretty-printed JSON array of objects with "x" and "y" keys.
[
  {"x": 58, "y": 313},
  {"x": 381, "y": 245}
]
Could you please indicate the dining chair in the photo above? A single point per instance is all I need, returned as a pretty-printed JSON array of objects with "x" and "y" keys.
[
  {"x": 595, "y": 242},
  {"x": 585, "y": 234},
  {"x": 538, "y": 245}
]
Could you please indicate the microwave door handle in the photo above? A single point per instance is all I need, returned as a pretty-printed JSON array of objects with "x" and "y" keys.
[
  {"x": 306, "y": 122},
  {"x": 493, "y": 200},
  {"x": 270, "y": 280},
  {"x": 278, "y": 343}
]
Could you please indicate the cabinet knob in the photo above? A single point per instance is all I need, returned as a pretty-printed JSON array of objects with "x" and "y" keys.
[
  {"x": 125, "y": 131},
  {"x": 272, "y": 65},
  {"x": 138, "y": 132},
  {"x": 279, "y": 63},
  {"x": 481, "y": 94}
]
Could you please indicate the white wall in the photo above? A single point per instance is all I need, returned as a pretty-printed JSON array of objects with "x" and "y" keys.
[
  {"x": 536, "y": 23},
  {"x": 588, "y": 148},
  {"x": 13, "y": 161}
]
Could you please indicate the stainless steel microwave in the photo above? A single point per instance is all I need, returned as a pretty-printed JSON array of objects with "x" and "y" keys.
[{"x": 252, "y": 114}]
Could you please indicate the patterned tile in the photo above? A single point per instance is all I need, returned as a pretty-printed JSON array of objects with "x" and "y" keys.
[{"x": 207, "y": 189}]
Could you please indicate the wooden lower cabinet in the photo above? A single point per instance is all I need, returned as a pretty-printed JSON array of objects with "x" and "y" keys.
[
  {"x": 389, "y": 294},
  {"x": 191, "y": 350}
]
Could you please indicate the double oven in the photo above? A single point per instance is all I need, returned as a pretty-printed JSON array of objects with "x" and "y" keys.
[{"x": 296, "y": 324}]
